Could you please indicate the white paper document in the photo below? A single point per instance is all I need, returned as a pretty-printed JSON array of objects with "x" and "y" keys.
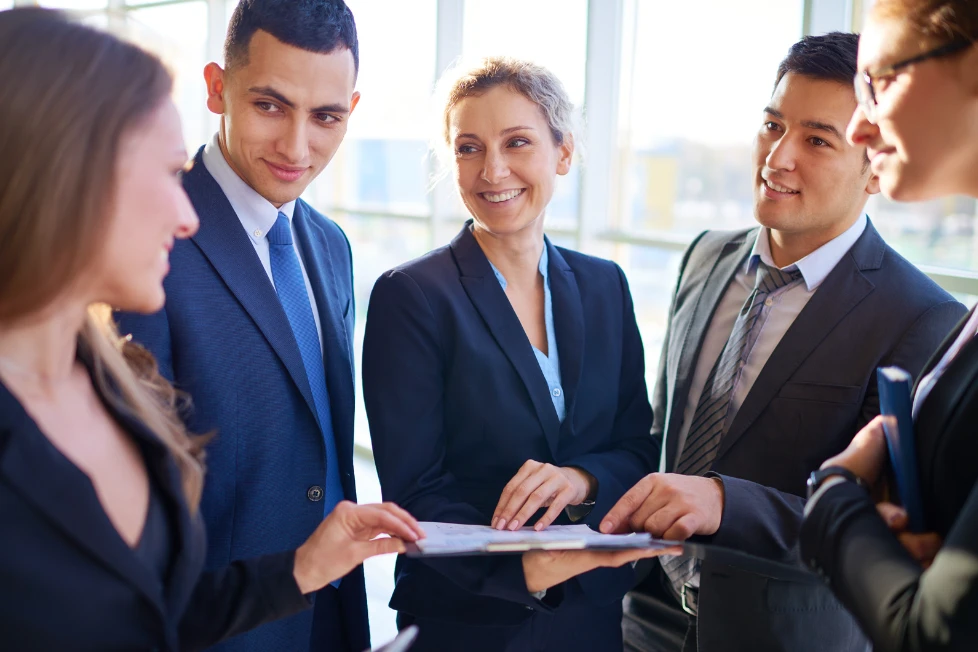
[{"x": 454, "y": 539}]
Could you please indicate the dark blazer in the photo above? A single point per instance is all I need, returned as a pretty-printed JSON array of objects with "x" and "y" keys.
[
  {"x": 68, "y": 581},
  {"x": 899, "y": 605},
  {"x": 224, "y": 339},
  {"x": 816, "y": 390},
  {"x": 457, "y": 404}
]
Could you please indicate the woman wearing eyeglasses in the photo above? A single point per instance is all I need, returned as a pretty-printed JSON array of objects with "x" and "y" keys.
[{"x": 918, "y": 118}]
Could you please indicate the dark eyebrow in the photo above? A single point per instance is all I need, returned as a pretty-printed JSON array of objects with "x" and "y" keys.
[
  {"x": 271, "y": 92},
  {"x": 809, "y": 124},
  {"x": 823, "y": 126},
  {"x": 501, "y": 133}
]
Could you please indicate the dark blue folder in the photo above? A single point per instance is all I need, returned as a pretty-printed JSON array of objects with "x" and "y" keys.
[{"x": 895, "y": 386}]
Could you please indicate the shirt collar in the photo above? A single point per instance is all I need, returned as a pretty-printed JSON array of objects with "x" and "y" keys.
[
  {"x": 815, "y": 266},
  {"x": 544, "y": 257},
  {"x": 256, "y": 213}
]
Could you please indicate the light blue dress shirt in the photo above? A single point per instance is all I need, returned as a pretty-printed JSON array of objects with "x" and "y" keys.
[{"x": 549, "y": 364}]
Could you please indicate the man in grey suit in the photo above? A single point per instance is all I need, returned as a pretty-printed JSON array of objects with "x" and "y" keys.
[{"x": 768, "y": 367}]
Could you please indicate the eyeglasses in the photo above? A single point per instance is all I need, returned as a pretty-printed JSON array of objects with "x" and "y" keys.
[{"x": 865, "y": 80}]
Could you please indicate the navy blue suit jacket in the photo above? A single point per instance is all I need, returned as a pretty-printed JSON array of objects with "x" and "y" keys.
[
  {"x": 457, "y": 403},
  {"x": 224, "y": 339}
]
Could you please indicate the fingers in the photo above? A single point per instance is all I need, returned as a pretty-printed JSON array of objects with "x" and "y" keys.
[
  {"x": 922, "y": 547},
  {"x": 683, "y": 528},
  {"x": 533, "y": 487},
  {"x": 894, "y": 515},
  {"x": 559, "y": 502},
  {"x": 382, "y": 546},
  {"x": 550, "y": 486},
  {"x": 620, "y": 558},
  {"x": 617, "y": 518},
  {"x": 386, "y": 518},
  {"x": 507, "y": 496}
]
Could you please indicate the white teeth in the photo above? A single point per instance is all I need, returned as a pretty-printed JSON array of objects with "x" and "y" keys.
[
  {"x": 164, "y": 255},
  {"x": 503, "y": 196},
  {"x": 776, "y": 187}
]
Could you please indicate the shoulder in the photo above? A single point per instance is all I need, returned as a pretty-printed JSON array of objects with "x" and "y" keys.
[
  {"x": 901, "y": 278},
  {"x": 709, "y": 244},
  {"x": 332, "y": 230}
]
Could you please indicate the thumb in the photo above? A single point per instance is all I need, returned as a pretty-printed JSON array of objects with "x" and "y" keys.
[
  {"x": 383, "y": 546},
  {"x": 894, "y": 515}
]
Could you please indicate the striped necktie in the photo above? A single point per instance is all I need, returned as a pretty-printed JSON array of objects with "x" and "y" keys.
[{"x": 713, "y": 412}]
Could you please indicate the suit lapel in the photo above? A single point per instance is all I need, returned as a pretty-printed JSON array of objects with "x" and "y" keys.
[
  {"x": 568, "y": 315},
  {"x": 34, "y": 468},
  {"x": 225, "y": 244},
  {"x": 337, "y": 359},
  {"x": 693, "y": 330},
  {"x": 841, "y": 291},
  {"x": 490, "y": 301}
]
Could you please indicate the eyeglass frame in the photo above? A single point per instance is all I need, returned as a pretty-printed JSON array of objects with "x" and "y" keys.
[{"x": 865, "y": 79}]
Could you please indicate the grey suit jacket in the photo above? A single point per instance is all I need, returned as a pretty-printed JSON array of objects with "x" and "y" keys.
[{"x": 816, "y": 390}]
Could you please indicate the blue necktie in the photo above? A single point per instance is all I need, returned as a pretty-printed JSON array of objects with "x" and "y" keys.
[
  {"x": 291, "y": 289},
  {"x": 712, "y": 416}
]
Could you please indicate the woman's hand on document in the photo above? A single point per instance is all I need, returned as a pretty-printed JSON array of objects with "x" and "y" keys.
[
  {"x": 349, "y": 535},
  {"x": 537, "y": 485},
  {"x": 546, "y": 568}
]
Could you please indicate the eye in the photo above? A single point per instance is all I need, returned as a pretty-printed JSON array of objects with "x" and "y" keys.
[
  {"x": 818, "y": 142},
  {"x": 266, "y": 107},
  {"x": 772, "y": 126},
  {"x": 518, "y": 142},
  {"x": 465, "y": 149},
  {"x": 326, "y": 118}
]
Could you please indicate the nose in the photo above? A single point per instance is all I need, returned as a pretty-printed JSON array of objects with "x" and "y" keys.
[
  {"x": 294, "y": 143},
  {"x": 782, "y": 155},
  {"x": 496, "y": 167},
  {"x": 861, "y": 131}
]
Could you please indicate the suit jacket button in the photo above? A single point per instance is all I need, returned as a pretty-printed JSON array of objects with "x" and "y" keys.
[{"x": 315, "y": 493}]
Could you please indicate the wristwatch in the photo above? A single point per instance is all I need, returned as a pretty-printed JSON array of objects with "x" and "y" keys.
[{"x": 816, "y": 479}]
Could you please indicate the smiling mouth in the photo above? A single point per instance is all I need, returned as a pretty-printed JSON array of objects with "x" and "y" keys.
[
  {"x": 286, "y": 174},
  {"x": 500, "y": 197},
  {"x": 782, "y": 189}
]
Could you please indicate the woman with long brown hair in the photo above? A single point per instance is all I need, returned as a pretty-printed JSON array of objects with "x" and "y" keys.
[
  {"x": 918, "y": 118},
  {"x": 102, "y": 545}
]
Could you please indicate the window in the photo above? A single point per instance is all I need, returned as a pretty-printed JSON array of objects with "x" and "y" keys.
[{"x": 691, "y": 105}]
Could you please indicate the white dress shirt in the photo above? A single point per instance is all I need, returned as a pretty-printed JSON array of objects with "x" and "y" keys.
[
  {"x": 257, "y": 216},
  {"x": 777, "y": 316}
]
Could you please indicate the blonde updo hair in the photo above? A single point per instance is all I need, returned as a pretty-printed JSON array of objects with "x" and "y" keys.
[{"x": 531, "y": 80}]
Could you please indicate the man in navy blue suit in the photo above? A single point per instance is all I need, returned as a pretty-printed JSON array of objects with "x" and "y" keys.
[{"x": 258, "y": 322}]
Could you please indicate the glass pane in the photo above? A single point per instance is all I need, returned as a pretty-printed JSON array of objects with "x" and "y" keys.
[
  {"x": 559, "y": 42},
  {"x": 651, "y": 274},
  {"x": 939, "y": 233},
  {"x": 688, "y": 166},
  {"x": 382, "y": 164},
  {"x": 178, "y": 34},
  {"x": 6, "y": 4}
]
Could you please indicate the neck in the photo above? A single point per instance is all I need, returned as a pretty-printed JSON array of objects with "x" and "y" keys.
[
  {"x": 39, "y": 351},
  {"x": 790, "y": 247},
  {"x": 515, "y": 255}
]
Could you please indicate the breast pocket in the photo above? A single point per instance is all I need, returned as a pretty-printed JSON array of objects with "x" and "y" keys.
[{"x": 823, "y": 393}]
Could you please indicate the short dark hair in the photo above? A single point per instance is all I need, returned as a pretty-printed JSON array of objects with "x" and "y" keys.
[
  {"x": 828, "y": 57},
  {"x": 313, "y": 25}
]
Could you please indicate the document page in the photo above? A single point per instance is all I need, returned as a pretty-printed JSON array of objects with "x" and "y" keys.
[{"x": 454, "y": 538}]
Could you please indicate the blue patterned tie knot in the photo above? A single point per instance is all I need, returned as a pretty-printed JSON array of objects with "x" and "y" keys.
[{"x": 281, "y": 231}]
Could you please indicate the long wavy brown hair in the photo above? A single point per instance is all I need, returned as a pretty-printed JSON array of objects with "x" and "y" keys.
[{"x": 68, "y": 96}]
